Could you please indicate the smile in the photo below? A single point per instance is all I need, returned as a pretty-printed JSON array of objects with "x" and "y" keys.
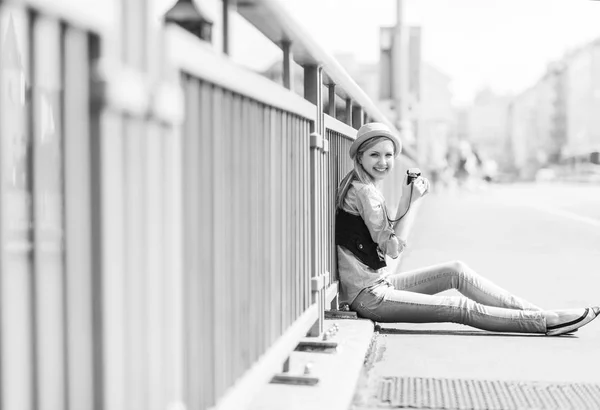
[{"x": 380, "y": 169}]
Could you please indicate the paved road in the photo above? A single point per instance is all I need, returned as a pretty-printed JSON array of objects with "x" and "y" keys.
[
  {"x": 575, "y": 200},
  {"x": 542, "y": 243}
]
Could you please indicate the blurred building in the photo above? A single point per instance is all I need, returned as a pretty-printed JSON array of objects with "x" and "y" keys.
[
  {"x": 486, "y": 126},
  {"x": 400, "y": 77},
  {"x": 437, "y": 119},
  {"x": 366, "y": 75},
  {"x": 461, "y": 116},
  {"x": 554, "y": 120},
  {"x": 522, "y": 122},
  {"x": 537, "y": 123},
  {"x": 582, "y": 102}
]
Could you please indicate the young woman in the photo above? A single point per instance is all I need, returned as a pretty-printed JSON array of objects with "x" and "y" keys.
[{"x": 365, "y": 234}]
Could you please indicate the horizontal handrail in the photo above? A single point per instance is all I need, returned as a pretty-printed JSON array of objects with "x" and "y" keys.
[
  {"x": 195, "y": 58},
  {"x": 99, "y": 20},
  {"x": 275, "y": 22},
  {"x": 338, "y": 126}
]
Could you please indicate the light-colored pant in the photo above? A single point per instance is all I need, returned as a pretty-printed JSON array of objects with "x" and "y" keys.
[{"x": 411, "y": 297}]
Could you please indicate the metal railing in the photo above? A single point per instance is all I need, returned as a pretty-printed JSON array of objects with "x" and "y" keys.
[
  {"x": 247, "y": 243},
  {"x": 178, "y": 232},
  {"x": 262, "y": 236}
]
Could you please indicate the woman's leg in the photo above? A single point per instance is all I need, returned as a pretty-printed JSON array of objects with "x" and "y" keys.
[
  {"x": 384, "y": 303},
  {"x": 457, "y": 275}
]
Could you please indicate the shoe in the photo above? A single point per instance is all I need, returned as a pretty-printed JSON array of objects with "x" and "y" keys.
[{"x": 569, "y": 327}]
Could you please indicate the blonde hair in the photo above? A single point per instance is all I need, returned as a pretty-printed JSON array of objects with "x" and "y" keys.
[{"x": 358, "y": 173}]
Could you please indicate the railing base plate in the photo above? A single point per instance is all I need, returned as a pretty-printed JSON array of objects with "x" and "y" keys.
[
  {"x": 340, "y": 314},
  {"x": 295, "y": 380},
  {"x": 316, "y": 346}
]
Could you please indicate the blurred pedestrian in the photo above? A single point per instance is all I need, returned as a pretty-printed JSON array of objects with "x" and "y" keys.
[
  {"x": 365, "y": 234},
  {"x": 466, "y": 164}
]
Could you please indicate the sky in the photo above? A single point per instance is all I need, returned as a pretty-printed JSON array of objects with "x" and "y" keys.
[
  {"x": 504, "y": 45},
  {"x": 501, "y": 44}
]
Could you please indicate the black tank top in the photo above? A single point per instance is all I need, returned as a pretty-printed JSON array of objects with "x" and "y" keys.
[{"x": 352, "y": 233}]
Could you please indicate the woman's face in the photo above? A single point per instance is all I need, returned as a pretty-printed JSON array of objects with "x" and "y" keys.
[{"x": 378, "y": 160}]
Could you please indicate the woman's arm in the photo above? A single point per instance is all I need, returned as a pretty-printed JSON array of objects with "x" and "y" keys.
[
  {"x": 405, "y": 214},
  {"x": 370, "y": 205}
]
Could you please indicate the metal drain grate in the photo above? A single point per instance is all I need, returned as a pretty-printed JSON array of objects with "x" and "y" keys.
[{"x": 460, "y": 394}]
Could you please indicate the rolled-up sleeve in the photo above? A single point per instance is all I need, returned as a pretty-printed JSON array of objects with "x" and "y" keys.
[{"x": 371, "y": 207}]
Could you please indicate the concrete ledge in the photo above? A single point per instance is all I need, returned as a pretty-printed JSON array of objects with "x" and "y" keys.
[
  {"x": 338, "y": 373},
  {"x": 241, "y": 393}
]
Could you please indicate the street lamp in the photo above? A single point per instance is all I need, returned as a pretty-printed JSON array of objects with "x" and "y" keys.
[{"x": 185, "y": 14}]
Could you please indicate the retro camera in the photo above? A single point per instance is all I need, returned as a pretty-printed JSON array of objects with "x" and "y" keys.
[{"x": 413, "y": 173}]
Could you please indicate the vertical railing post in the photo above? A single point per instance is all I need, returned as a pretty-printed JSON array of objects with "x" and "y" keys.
[
  {"x": 288, "y": 68},
  {"x": 332, "y": 108},
  {"x": 349, "y": 111},
  {"x": 226, "y": 30},
  {"x": 313, "y": 80},
  {"x": 326, "y": 206},
  {"x": 357, "y": 116}
]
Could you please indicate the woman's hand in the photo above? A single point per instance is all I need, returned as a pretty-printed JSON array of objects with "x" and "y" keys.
[
  {"x": 420, "y": 188},
  {"x": 410, "y": 193},
  {"x": 415, "y": 190}
]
